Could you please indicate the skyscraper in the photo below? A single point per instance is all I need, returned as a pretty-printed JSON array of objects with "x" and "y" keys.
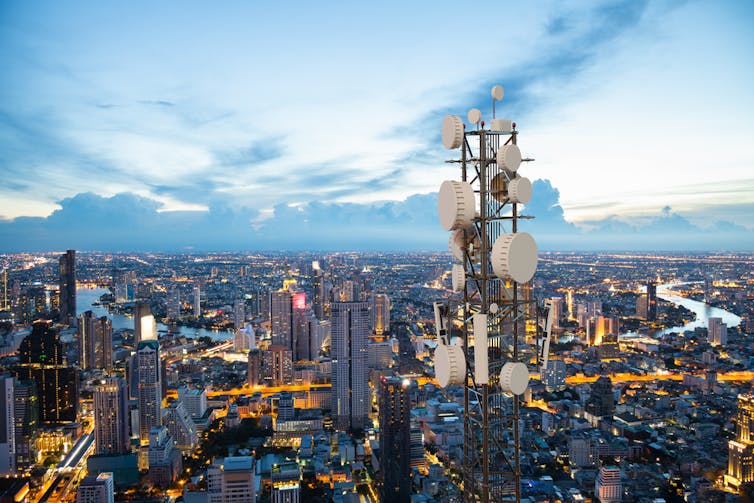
[
  {"x": 173, "y": 303},
  {"x": 95, "y": 342},
  {"x": 149, "y": 388},
  {"x": 7, "y": 425},
  {"x": 27, "y": 421},
  {"x": 255, "y": 376},
  {"x": 281, "y": 318},
  {"x": 608, "y": 486},
  {"x": 278, "y": 366},
  {"x": 239, "y": 315},
  {"x": 717, "y": 332},
  {"x": 379, "y": 310},
  {"x": 197, "y": 301},
  {"x": 111, "y": 417},
  {"x": 306, "y": 330},
  {"x": 395, "y": 440},
  {"x": 741, "y": 450},
  {"x": 651, "y": 301},
  {"x": 181, "y": 427},
  {"x": 350, "y": 392},
  {"x": 601, "y": 401},
  {"x": 67, "y": 264},
  {"x": 145, "y": 327},
  {"x": 318, "y": 285}
]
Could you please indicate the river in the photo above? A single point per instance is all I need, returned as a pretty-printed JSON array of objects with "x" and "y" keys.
[
  {"x": 85, "y": 297},
  {"x": 703, "y": 311}
]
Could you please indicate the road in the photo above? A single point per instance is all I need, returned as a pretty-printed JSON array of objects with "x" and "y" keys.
[{"x": 68, "y": 471}]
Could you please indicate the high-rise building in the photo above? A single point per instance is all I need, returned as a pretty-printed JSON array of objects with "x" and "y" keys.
[
  {"x": 278, "y": 366},
  {"x": 195, "y": 400},
  {"x": 717, "y": 332},
  {"x": 232, "y": 480},
  {"x": 181, "y": 427},
  {"x": 283, "y": 303},
  {"x": 379, "y": 311},
  {"x": 95, "y": 342},
  {"x": 741, "y": 450},
  {"x": 651, "y": 301},
  {"x": 350, "y": 391},
  {"x": 145, "y": 327},
  {"x": 67, "y": 264},
  {"x": 286, "y": 486},
  {"x": 41, "y": 360},
  {"x": 7, "y": 425},
  {"x": 395, "y": 440},
  {"x": 601, "y": 401},
  {"x": 173, "y": 303},
  {"x": 307, "y": 335},
  {"x": 318, "y": 285},
  {"x": 99, "y": 489},
  {"x": 239, "y": 314},
  {"x": 557, "y": 311},
  {"x": 607, "y": 486},
  {"x": 164, "y": 459},
  {"x": 256, "y": 374},
  {"x": 27, "y": 421},
  {"x": 149, "y": 388},
  {"x": 197, "y": 301},
  {"x": 554, "y": 375},
  {"x": 111, "y": 417}
]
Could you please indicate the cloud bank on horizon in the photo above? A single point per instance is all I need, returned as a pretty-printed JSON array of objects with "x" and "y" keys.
[
  {"x": 244, "y": 126},
  {"x": 127, "y": 222}
]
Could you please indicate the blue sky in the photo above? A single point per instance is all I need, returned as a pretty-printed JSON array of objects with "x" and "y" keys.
[{"x": 240, "y": 123}]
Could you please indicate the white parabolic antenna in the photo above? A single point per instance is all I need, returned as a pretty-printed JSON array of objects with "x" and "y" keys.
[
  {"x": 450, "y": 365},
  {"x": 475, "y": 115},
  {"x": 455, "y": 204},
  {"x": 514, "y": 256},
  {"x": 458, "y": 243},
  {"x": 452, "y": 131},
  {"x": 519, "y": 190},
  {"x": 514, "y": 378},
  {"x": 497, "y": 92},
  {"x": 458, "y": 277},
  {"x": 509, "y": 157}
]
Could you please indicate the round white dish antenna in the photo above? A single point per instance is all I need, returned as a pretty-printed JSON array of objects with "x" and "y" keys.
[
  {"x": 497, "y": 92},
  {"x": 509, "y": 157},
  {"x": 514, "y": 256},
  {"x": 458, "y": 277},
  {"x": 458, "y": 243},
  {"x": 475, "y": 115},
  {"x": 519, "y": 190},
  {"x": 452, "y": 131},
  {"x": 514, "y": 378},
  {"x": 456, "y": 204},
  {"x": 450, "y": 365}
]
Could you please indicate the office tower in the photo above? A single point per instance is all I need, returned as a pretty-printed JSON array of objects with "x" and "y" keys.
[
  {"x": 717, "y": 332},
  {"x": 27, "y": 421},
  {"x": 417, "y": 448},
  {"x": 255, "y": 376},
  {"x": 111, "y": 417},
  {"x": 5, "y": 305},
  {"x": 609, "y": 349},
  {"x": 350, "y": 392},
  {"x": 149, "y": 388},
  {"x": 395, "y": 439},
  {"x": 282, "y": 305},
  {"x": 286, "y": 486},
  {"x": 651, "y": 301},
  {"x": 99, "y": 489},
  {"x": 41, "y": 360},
  {"x": 145, "y": 327},
  {"x": 741, "y": 450},
  {"x": 607, "y": 486},
  {"x": 307, "y": 335},
  {"x": 380, "y": 355},
  {"x": 318, "y": 285},
  {"x": 165, "y": 462},
  {"x": 286, "y": 411},
  {"x": 244, "y": 339},
  {"x": 95, "y": 342},
  {"x": 239, "y": 314},
  {"x": 641, "y": 306},
  {"x": 554, "y": 375},
  {"x": 557, "y": 311},
  {"x": 195, "y": 400},
  {"x": 7, "y": 425},
  {"x": 181, "y": 427},
  {"x": 197, "y": 301},
  {"x": 232, "y": 480},
  {"x": 598, "y": 327},
  {"x": 68, "y": 287},
  {"x": 379, "y": 314},
  {"x": 173, "y": 303},
  {"x": 348, "y": 292},
  {"x": 278, "y": 366},
  {"x": 570, "y": 314},
  {"x": 601, "y": 401}
]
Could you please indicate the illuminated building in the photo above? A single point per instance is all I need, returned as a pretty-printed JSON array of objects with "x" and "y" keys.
[
  {"x": 239, "y": 316},
  {"x": 173, "y": 303},
  {"x": 111, "y": 417},
  {"x": 601, "y": 401},
  {"x": 286, "y": 487},
  {"x": 181, "y": 427},
  {"x": 232, "y": 480},
  {"x": 95, "y": 342},
  {"x": 149, "y": 389},
  {"x": 7, "y": 425},
  {"x": 278, "y": 365},
  {"x": 255, "y": 376},
  {"x": 554, "y": 375},
  {"x": 318, "y": 285},
  {"x": 195, "y": 400},
  {"x": 67, "y": 265},
  {"x": 99, "y": 489},
  {"x": 651, "y": 301},
  {"x": 350, "y": 391},
  {"x": 717, "y": 332},
  {"x": 197, "y": 301},
  {"x": 741, "y": 450},
  {"x": 283, "y": 303},
  {"x": 307, "y": 335},
  {"x": 27, "y": 421},
  {"x": 379, "y": 311},
  {"x": 395, "y": 440},
  {"x": 165, "y": 462},
  {"x": 145, "y": 327},
  {"x": 608, "y": 487}
]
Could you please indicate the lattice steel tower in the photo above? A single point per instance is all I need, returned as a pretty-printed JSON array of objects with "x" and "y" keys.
[{"x": 482, "y": 326}]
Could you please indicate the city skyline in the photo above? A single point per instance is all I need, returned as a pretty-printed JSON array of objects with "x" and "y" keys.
[{"x": 123, "y": 123}]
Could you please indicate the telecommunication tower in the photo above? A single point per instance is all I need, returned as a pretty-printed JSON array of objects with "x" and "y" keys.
[{"x": 481, "y": 327}]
